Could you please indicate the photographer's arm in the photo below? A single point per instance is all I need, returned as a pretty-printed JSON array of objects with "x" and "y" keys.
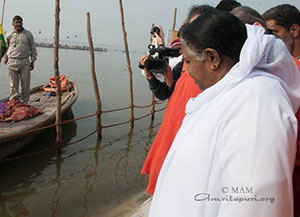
[
  {"x": 163, "y": 90},
  {"x": 159, "y": 89}
]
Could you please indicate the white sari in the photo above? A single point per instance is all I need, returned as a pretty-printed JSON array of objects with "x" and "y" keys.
[{"x": 235, "y": 151}]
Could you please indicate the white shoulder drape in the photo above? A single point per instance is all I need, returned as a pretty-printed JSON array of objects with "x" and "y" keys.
[{"x": 234, "y": 153}]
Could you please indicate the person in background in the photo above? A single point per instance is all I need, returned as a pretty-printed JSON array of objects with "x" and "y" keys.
[
  {"x": 227, "y": 5},
  {"x": 164, "y": 90},
  {"x": 175, "y": 44},
  {"x": 173, "y": 61},
  {"x": 161, "y": 90},
  {"x": 21, "y": 47},
  {"x": 249, "y": 16},
  {"x": 284, "y": 20},
  {"x": 185, "y": 89},
  {"x": 240, "y": 131}
]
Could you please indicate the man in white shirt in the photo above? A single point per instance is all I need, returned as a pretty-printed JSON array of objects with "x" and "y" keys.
[{"x": 21, "y": 47}]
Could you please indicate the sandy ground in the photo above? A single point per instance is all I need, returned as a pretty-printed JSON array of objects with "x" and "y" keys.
[
  {"x": 143, "y": 210},
  {"x": 137, "y": 206}
]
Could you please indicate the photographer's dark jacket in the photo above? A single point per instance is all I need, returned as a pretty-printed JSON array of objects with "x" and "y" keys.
[{"x": 160, "y": 89}]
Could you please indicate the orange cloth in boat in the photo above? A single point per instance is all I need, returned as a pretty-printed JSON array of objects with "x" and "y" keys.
[
  {"x": 184, "y": 90},
  {"x": 17, "y": 111},
  {"x": 51, "y": 86}
]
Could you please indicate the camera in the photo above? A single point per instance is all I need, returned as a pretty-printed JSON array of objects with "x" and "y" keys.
[
  {"x": 155, "y": 29},
  {"x": 157, "y": 61}
]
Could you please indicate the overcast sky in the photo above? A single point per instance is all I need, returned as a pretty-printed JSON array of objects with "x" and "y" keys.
[{"x": 38, "y": 16}]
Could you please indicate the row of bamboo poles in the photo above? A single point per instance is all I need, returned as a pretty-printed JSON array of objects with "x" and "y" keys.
[{"x": 93, "y": 72}]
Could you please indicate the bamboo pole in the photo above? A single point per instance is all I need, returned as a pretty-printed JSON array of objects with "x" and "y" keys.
[
  {"x": 3, "y": 9},
  {"x": 153, "y": 107},
  {"x": 2, "y": 17},
  {"x": 94, "y": 77},
  {"x": 153, "y": 98},
  {"x": 56, "y": 71},
  {"x": 174, "y": 21},
  {"x": 150, "y": 34},
  {"x": 128, "y": 65},
  {"x": 1, "y": 51}
]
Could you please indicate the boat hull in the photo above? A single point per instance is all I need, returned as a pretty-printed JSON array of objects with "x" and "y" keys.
[{"x": 13, "y": 135}]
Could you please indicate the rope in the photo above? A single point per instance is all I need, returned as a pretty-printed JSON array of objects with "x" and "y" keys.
[
  {"x": 118, "y": 124},
  {"x": 114, "y": 110},
  {"x": 77, "y": 141},
  {"x": 159, "y": 102},
  {"x": 159, "y": 110},
  {"x": 83, "y": 138},
  {"x": 80, "y": 118},
  {"x": 77, "y": 119},
  {"x": 50, "y": 125},
  {"x": 143, "y": 116},
  {"x": 146, "y": 106}
]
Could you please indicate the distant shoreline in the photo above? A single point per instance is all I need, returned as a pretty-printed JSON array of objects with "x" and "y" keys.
[{"x": 71, "y": 47}]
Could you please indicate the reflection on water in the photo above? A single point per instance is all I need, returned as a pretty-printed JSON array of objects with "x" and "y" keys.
[
  {"x": 122, "y": 165},
  {"x": 16, "y": 179},
  {"x": 30, "y": 184},
  {"x": 55, "y": 201},
  {"x": 91, "y": 177},
  {"x": 151, "y": 135}
]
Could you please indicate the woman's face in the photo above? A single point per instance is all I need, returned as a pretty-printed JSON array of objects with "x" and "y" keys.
[{"x": 198, "y": 70}]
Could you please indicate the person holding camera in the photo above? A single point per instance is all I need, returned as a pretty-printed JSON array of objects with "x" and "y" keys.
[
  {"x": 175, "y": 112},
  {"x": 161, "y": 90}
]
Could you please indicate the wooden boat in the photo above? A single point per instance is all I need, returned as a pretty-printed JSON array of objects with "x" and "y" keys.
[{"x": 10, "y": 138}]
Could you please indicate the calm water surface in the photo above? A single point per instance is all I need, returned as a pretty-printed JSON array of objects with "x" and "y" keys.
[{"x": 91, "y": 177}]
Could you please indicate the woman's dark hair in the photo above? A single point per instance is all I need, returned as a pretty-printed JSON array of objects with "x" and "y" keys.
[
  {"x": 181, "y": 29},
  {"x": 216, "y": 29}
]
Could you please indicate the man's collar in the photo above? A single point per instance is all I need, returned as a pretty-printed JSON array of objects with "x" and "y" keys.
[{"x": 15, "y": 31}]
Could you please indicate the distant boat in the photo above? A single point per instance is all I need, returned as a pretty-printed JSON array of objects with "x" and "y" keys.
[{"x": 11, "y": 142}]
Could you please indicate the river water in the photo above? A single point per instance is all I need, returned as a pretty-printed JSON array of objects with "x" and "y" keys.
[{"x": 93, "y": 176}]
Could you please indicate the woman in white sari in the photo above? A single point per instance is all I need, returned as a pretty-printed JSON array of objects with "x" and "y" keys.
[{"x": 234, "y": 153}]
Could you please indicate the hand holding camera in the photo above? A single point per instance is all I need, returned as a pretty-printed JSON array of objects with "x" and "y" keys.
[
  {"x": 168, "y": 75},
  {"x": 157, "y": 61},
  {"x": 148, "y": 75},
  {"x": 158, "y": 33}
]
